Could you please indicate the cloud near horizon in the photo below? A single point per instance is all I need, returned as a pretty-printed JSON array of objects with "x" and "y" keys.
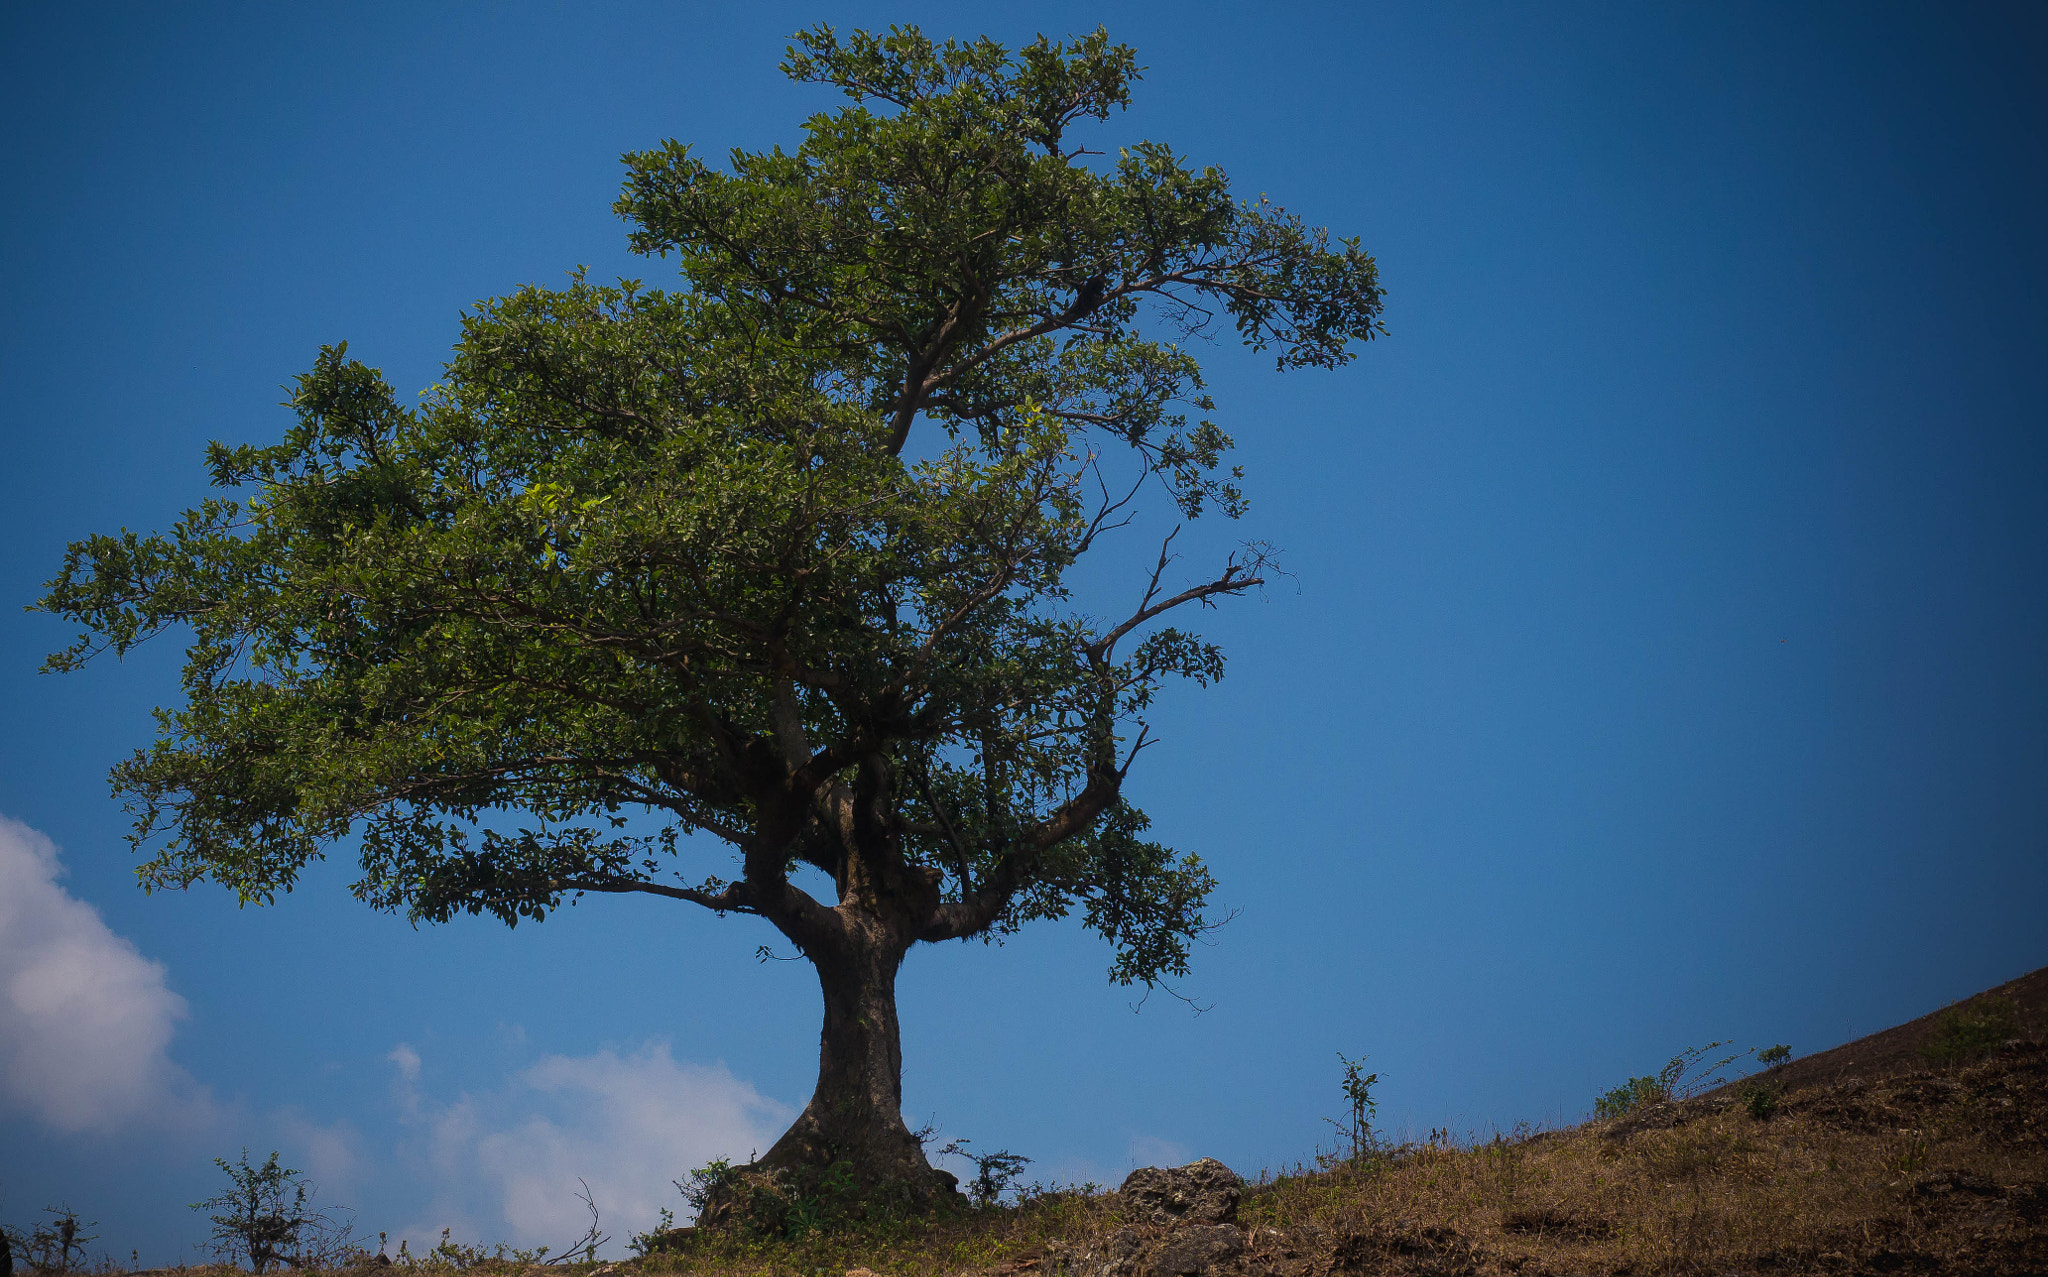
[
  {"x": 85, "y": 1019},
  {"x": 510, "y": 1165}
]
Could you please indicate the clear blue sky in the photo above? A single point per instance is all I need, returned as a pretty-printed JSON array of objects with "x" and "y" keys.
[{"x": 1664, "y": 660}]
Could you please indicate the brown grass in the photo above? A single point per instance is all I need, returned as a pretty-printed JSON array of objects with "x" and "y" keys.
[
  {"x": 1908, "y": 1168},
  {"x": 1937, "y": 1171},
  {"x": 1853, "y": 1176}
]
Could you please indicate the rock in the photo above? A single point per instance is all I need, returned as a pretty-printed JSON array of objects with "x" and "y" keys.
[
  {"x": 1195, "y": 1250},
  {"x": 1111, "y": 1259},
  {"x": 1203, "y": 1192},
  {"x": 860, "y": 1272}
]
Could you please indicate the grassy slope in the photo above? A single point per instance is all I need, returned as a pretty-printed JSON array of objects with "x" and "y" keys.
[{"x": 1872, "y": 1160}]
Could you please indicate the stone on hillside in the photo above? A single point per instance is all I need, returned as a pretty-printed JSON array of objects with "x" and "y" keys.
[
  {"x": 1195, "y": 1250},
  {"x": 1203, "y": 1192}
]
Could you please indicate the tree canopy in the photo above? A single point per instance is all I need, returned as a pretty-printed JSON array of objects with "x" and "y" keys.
[{"x": 777, "y": 554}]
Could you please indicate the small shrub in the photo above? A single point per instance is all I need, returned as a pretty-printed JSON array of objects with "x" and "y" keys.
[
  {"x": 1771, "y": 1056},
  {"x": 708, "y": 1183},
  {"x": 1760, "y": 1102},
  {"x": 1681, "y": 1079},
  {"x": 265, "y": 1219},
  {"x": 57, "y": 1246},
  {"x": 1630, "y": 1096},
  {"x": 662, "y": 1237},
  {"x": 262, "y": 1214},
  {"x": 449, "y": 1253},
  {"x": 1970, "y": 1030},
  {"x": 994, "y": 1173},
  {"x": 766, "y": 1205},
  {"x": 1361, "y": 1110}
]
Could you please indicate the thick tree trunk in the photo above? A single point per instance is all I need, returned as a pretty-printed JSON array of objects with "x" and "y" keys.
[{"x": 855, "y": 1116}]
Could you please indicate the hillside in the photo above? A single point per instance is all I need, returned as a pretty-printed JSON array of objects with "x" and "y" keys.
[
  {"x": 1868, "y": 1158},
  {"x": 1898, "y": 1049},
  {"x": 1920, "y": 1149}
]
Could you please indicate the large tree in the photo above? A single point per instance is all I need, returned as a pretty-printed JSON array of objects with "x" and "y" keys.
[{"x": 778, "y": 556}]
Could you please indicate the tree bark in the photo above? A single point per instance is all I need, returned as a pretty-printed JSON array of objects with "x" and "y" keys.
[{"x": 855, "y": 1115}]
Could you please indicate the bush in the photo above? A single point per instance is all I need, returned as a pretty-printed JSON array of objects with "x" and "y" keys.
[
  {"x": 1970, "y": 1030},
  {"x": 1760, "y": 1102},
  {"x": 993, "y": 1172},
  {"x": 265, "y": 1219},
  {"x": 1360, "y": 1110},
  {"x": 54, "y": 1247},
  {"x": 1681, "y": 1079},
  {"x": 782, "y": 1204},
  {"x": 1630, "y": 1096}
]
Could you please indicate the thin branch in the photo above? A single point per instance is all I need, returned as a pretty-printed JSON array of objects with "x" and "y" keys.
[{"x": 952, "y": 836}]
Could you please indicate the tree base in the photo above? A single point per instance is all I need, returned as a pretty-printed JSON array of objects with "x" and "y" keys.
[{"x": 763, "y": 1200}]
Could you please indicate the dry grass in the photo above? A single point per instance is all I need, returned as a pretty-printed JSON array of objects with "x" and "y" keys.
[
  {"x": 1934, "y": 1171},
  {"x": 1837, "y": 1179},
  {"x": 972, "y": 1241},
  {"x": 1937, "y": 1171}
]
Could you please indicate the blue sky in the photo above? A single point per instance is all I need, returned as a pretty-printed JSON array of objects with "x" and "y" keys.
[{"x": 1663, "y": 660}]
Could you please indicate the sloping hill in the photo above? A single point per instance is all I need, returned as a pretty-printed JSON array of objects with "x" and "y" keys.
[{"x": 1899, "y": 1049}]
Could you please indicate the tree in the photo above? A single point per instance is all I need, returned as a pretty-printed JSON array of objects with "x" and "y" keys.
[
  {"x": 780, "y": 555},
  {"x": 263, "y": 1216}
]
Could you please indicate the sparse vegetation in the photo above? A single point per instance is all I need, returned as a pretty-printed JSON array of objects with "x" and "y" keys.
[
  {"x": 1628, "y": 1097},
  {"x": 266, "y": 1218},
  {"x": 1681, "y": 1079},
  {"x": 1360, "y": 1110},
  {"x": 1760, "y": 1098},
  {"x": 994, "y": 1173},
  {"x": 1909, "y": 1169},
  {"x": 57, "y": 1244},
  {"x": 1970, "y": 1030},
  {"x": 1760, "y": 1102}
]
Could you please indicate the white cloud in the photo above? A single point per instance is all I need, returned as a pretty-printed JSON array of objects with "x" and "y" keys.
[
  {"x": 1152, "y": 1150},
  {"x": 330, "y": 1155},
  {"x": 509, "y": 1164},
  {"x": 85, "y": 1019}
]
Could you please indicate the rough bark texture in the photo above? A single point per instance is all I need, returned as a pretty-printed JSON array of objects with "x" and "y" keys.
[
  {"x": 856, "y": 1112},
  {"x": 850, "y": 1148}
]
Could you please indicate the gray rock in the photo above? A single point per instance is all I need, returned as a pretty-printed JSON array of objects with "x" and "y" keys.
[
  {"x": 1195, "y": 1250},
  {"x": 1113, "y": 1259},
  {"x": 1203, "y": 1192}
]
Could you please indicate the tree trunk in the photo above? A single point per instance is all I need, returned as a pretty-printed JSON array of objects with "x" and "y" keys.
[{"x": 855, "y": 1116}]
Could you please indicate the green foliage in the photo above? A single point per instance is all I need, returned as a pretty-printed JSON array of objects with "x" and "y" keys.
[
  {"x": 1972, "y": 1029},
  {"x": 263, "y": 1216},
  {"x": 1502, "y": 1159},
  {"x": 1760, "y": 1102},
  {"x": 768, "y": 1205},
  {"x": 449, "y": 1253},
  {"x": 1630, "y": 1096},
  {"x": 662, "y": 556},
  {"x": 1360, "y": 1110},
  {"x": 1760, "y": 1099},
  {"x": 994, "y": 1173},
  {"x": 662, "y": 1237},
  {"x": 708, "y": 1183},
  {"x": 1683, "y": 1077}
]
